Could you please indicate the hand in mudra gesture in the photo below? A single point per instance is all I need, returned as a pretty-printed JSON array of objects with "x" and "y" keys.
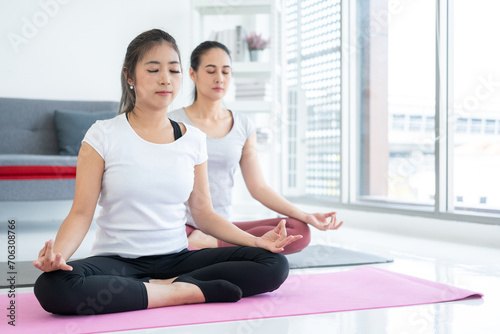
[
  {"x": 324, "y": 221},
  {"x": 276, "y": 240},
  {"x": 48, "y": 261}
]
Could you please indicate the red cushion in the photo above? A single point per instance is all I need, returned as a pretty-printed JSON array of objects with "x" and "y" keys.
[{"x": 37, "y": 172}]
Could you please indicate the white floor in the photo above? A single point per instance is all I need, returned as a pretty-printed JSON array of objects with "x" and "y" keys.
[{"x": 470, "y": 267}]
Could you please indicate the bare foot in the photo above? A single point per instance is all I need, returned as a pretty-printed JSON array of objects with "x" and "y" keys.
[
  {"x": 178, "y": 293},
  {"x": 199, "y": 239}
]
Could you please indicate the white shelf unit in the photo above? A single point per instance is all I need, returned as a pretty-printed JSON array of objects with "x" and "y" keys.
[{"x": 263, "y": 17}]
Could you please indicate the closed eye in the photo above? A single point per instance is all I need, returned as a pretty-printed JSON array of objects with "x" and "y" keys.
[{"x": 152, "y": 71}]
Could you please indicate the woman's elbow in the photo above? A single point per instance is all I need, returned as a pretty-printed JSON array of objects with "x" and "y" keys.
[{"x": 201, "y": 216}]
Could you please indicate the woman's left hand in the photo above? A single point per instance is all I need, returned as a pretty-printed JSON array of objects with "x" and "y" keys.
[
  {"x": 276, "y": 240},
  {"x": 324, "y": 221}
]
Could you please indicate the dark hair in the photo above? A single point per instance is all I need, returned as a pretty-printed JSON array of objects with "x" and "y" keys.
[
  {"x": 199, "y": 51},
  {"x": 135, "y": 52}
]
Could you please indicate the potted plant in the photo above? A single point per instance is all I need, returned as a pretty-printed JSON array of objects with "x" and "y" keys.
[{"x": 256, "y": 43}]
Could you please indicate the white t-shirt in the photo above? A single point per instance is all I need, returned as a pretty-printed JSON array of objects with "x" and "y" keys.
[
  {"x": 144, "y": 188},
  {"x": 224, "y": 155}
]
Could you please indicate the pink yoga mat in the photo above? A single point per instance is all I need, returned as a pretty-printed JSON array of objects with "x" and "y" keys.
[{"x": 356, "y": 289}]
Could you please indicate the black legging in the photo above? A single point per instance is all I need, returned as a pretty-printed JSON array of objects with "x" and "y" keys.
[{"x": 110, "y": 284}]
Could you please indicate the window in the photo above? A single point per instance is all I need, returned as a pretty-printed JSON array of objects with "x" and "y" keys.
[
  {"x": 429, "y": 124},
  {"x": 396, "y": 65},
  {"x": 489, "y": 127},
  {"x": 476, "y": 124},
  {"x": 475, "y": 82},
  {"x": 416, "y": 123},
  {"x": 461, "y": 125},
  {"x": 313, "y": 83},
  {"x": 398, "y": 122},
  {"x": 420, "y": 112}
]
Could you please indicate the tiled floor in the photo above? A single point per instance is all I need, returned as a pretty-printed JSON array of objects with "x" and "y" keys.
[{"x": 471, "y": 267}]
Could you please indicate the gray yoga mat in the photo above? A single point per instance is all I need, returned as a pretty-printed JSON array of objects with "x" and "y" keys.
[
  {"x": 311, "y": 257},
  {"x": 317, "y": 256},
  {"x": 26, "y": 274}
]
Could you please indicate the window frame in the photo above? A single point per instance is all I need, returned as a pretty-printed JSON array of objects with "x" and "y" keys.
[{"x": 443, "y": 207}]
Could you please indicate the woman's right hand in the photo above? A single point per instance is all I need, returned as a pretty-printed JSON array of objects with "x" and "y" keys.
[{"x": 48, "y": 261}]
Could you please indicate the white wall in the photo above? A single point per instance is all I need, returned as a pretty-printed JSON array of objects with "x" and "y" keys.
[{"x": 73, "y": 49}]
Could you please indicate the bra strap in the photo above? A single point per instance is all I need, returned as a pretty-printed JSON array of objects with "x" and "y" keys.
[{"x": 177, "y": 129}]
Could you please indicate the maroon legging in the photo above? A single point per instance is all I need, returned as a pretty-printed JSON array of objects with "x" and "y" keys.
[{"x": 260, "y": 227}]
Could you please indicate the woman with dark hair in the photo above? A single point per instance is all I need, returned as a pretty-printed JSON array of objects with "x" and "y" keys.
[
  {"x": 231, "y": 142},
  {"x": 141, "y": 167}
]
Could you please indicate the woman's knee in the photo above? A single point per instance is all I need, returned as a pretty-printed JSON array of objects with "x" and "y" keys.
[
  {"x": 298, "y": 227},
  {"x": 53, "y": 291},
  {"x": 282, "y": 266},
  {"x": 278, "y": 270}
]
